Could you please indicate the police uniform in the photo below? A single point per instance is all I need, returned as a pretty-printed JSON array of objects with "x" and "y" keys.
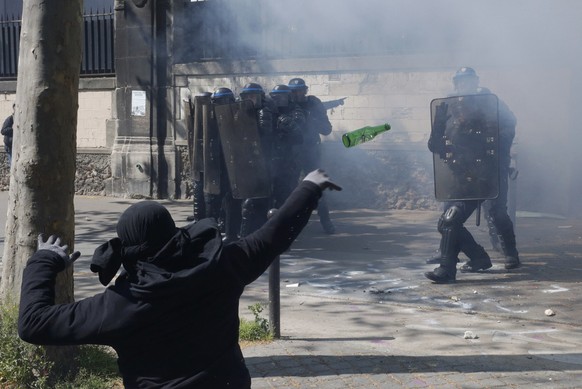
[{"x": 454, "y": 236}]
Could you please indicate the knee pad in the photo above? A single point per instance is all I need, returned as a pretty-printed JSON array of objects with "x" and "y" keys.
[{"x": 451, "y": 217}]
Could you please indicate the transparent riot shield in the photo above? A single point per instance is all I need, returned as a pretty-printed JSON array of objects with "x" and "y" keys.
[
  {"x": 465, "y": 139},
  {"x": 246, "y": 164},
  {"x": 211, "y": 151}
]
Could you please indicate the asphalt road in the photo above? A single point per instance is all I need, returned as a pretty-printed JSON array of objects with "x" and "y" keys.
[{"x": 356, "y": 305}]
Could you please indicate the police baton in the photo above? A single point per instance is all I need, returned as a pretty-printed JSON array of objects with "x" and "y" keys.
[{"x": 274, "y": 292}]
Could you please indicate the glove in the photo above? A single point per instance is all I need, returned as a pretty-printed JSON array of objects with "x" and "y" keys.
[
  {"x": 435, "y": 141},
  {"x": 265, "y": 121},
  {"x": 321, "y": 179},
  {"x": 440, "y": 119},
  {"x": 299, "y": 116},
  {"x": 53, "y": 243},
  {"x": 285, "y": 123}
]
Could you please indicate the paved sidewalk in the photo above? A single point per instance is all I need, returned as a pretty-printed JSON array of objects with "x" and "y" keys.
[{"x": 357, "y": 312}]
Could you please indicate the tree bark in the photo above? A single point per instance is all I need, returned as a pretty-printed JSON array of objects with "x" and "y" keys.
[
  {"x": 44, "y": 145},
  {"x": 42, "y": 176}
]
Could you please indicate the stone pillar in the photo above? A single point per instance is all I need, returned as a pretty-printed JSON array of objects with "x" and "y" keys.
[{"x": 143, "y": 152}]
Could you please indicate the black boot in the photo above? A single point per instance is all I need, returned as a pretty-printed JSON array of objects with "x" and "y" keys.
[
  {"x": 508, "y": 246},
  {"x": 449, "y": 247},
  {"x": 478, "y": 257},
  {"x": 512, "y": 262},
  {"x": 446, "y": 273},
  {"x": 436, "y": 258},
  {"x": 474, "y": 266}
]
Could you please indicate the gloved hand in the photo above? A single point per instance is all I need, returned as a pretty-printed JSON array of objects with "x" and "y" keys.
[
  {"x": 285, "y": 123},
  {"x": 436, "y": 143},
  {"x": 299, "y": 116},
  {"x": 320, "y": 178},
  {"x": 265, "y": 121},
  {"x": 53, "y": 243},
  {"x": 441, "y": 117}
]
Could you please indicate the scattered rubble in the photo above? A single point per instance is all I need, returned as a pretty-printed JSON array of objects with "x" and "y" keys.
[{"x": 470, "y": 335}]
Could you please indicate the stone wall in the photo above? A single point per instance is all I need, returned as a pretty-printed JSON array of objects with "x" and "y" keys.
[
  {"x": 398, "y": 90},
  {"x": 400, "y": 179},
  {"x": 377, "y": 179},
  {"x": 93, "y": 169},
  {"x": 392, "y": 171}
]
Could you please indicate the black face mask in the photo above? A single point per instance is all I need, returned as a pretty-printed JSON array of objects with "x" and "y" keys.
[
  {"x": 300, "y": 96},
  {"x": 256, "y": 99},
  {"x": 280, "y": 99},
  {"x": 146, "y": 222}
]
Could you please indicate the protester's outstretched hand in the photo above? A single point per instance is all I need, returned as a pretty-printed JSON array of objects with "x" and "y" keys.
[
  {"x": 53, "y": 243},
  {"x": 320, "y": 178}
]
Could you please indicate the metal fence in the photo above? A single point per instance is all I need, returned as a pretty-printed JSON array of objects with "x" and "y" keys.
[
  {"x": 9, "y": 41},
  {"x": 98, "y": 44}
]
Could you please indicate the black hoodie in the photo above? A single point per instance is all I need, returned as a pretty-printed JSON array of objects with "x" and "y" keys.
[{"x": 172, "y": 317}]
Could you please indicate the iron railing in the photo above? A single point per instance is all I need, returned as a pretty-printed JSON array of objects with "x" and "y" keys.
[
  {"x": 9, "y": 41},
  {"x": 98, "y": 44}
]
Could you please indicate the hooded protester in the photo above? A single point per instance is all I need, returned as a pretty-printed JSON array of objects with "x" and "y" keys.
[
  {"x": 172, "y": 313},
  {"x": 8, "y": 132}
]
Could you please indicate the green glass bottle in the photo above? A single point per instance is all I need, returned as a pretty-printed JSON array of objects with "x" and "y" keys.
[{"x": 364, "y": 134}]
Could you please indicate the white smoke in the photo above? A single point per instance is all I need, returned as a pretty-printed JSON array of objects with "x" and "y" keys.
[{"x": 528, "y": 52}]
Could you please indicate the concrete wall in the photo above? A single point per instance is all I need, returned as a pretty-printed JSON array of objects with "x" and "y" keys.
[
  {"x": 94, "y": 135},
  {"x": 95, "y": 104},
  {"x": 94, "y": 113}
]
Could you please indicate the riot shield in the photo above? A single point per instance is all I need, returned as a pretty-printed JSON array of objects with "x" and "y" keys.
[
  {"x": 188, "y": 108},
  {"x": 211, "y": 150},
  {"x": 197, "y": 156},
  {"x": 246, "y": 165},
  {"x": 465, "y": 134}
]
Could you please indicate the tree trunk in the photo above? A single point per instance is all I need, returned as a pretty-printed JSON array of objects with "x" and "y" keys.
[{"x": 42, "y": 177}]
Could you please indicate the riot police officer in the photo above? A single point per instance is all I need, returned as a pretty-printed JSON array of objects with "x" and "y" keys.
[
  {"x": 218, "y": 199},
  {"x": 316, "y": 124},
  {"x": 466, "y": 82},
  {"x": 254, "y": 210},
  {"x": 195, "y": 148},
  {"x": 289, "y": 122},
  {"x": 454, "y": 236}
]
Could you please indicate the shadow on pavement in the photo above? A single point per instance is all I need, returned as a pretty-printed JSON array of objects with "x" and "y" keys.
[{"x": 319, "y": 365}]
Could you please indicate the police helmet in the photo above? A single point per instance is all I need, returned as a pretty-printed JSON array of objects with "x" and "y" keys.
[
  {"x": 204, "y": 94},
  {"x": 222, "y": 92},
  {"x": 281, "y": 89},
  {"x": 252, "y": 87},
  {"x": 297, "y": 84},
  {"x": 281, "y": 95},
  {"x": 465, "y": 72}
]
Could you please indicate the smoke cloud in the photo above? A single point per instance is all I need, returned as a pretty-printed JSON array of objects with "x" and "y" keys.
[{"x": 528, "y": 52}]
